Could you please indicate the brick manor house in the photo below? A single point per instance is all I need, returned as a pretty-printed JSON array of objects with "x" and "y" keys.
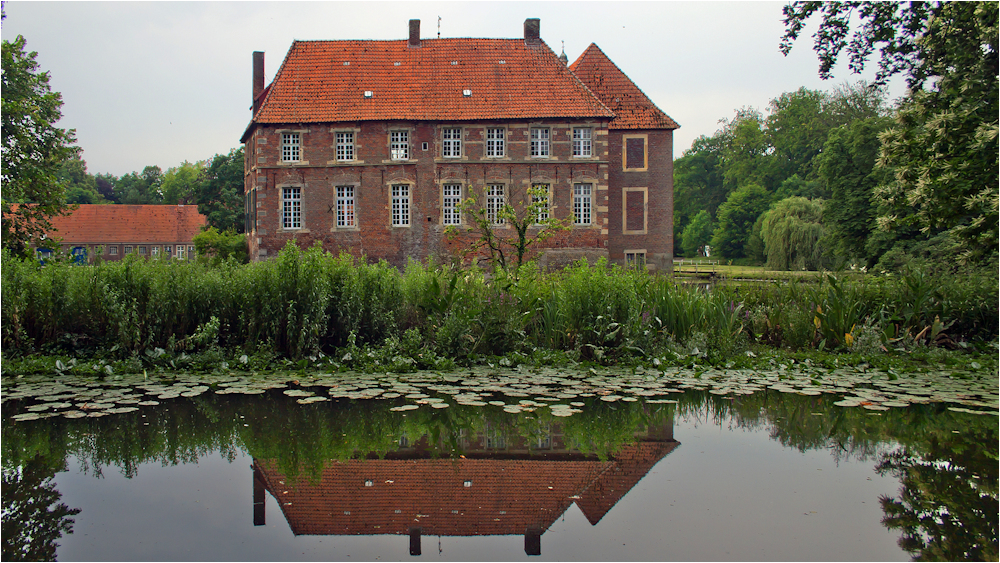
[{"x": 370, "y": 146}]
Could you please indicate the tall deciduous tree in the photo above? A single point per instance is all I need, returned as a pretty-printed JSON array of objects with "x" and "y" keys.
[
  {"x": 219, "y": 194},
  {"x": 736, "y": 217},
  {"x": 180, "y": 183},
  {"x": 697, "y": 234},
  {"x": 792, "y": 231},
  {"x": 33, "y": 148}
]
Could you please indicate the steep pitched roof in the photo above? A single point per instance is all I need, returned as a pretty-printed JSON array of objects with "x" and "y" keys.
[
  {"x": 633, "y": 110},
  {"x": 325, "y": 81},
  {"x": 118, "y": 224}
]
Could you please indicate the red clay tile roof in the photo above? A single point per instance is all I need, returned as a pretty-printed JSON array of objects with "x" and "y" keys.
[
  {"x": 633, "y": 110},
  {"x": 121, "y": 224},
  {"x": 325, "y": 81}
]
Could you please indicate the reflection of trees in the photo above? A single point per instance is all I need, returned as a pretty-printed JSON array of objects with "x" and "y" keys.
[
  {"x": 947, "y": 506},
  {"x": 31, "y": 524}
]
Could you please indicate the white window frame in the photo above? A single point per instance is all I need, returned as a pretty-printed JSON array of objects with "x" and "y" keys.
[
  {"x": 154, "y": 251},
  {"x": 399, "y": 145},
  {"x": 540, "y": 145},
  {"x": 635, "y": 258},
  {"x": 128, "y": 249},
  {"x": 583, "y": 145},
  {"x": 291, "y": 147},
  {"x": 190, "y": 251},
  {"x": 168, "y": 250},
  {"x": 543, "y": 212},
  {"x": 113, "y": 250},
  {"x": 495, "y": 201},
  {"x": 142, "y": 250},
  {"x": 451, "y": 142},
  {"x": 181, "y": 254},
  {"x": 496, "y": 138},
  {"x": 291, "y": 208},
  {"x": 400, "y": 205},
  {"x": 583, "y": 203},
  {"x": 451, "y": 204},
  {"x": 346, "y": 210},
  {"x": 344, "y": 145}
]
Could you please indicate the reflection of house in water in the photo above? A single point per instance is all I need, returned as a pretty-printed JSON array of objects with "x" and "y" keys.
[{"x": 493, "y": 490}]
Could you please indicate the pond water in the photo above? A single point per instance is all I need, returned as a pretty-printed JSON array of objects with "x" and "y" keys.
[{"x": 502, "y": 464}]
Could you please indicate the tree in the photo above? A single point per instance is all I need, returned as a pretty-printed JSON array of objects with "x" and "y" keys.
[
  {"x": 180, "y": 183},
  {"x": 736, "y": 218},
  {"x": 943, "y": 150},
  {"x": 33, "y": 521},
  {"x": 33, "y": 149},
  {"x": 81, "y": 187},
  {"x": 792, "y": 230},
  {"x": 698, "y": 181},
  {"x": 216, "y": 245},
  {"x": 527, "y": 215},
  {"x": 219, "y": 194},
  {"x": 848, "y": 169},
  {"x": 140, "y": 189},
  {"x": 697, "y": 234}
]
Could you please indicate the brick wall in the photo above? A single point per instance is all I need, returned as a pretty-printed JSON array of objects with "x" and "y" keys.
[{"x": 372, "y": 174}]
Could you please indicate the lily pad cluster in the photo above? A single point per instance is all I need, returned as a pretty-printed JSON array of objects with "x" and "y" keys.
[{"x": 561, "y": 392}]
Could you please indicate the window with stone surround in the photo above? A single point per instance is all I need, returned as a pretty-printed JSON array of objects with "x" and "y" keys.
[
  {"x": 495, "y": 138},
  {"x": 291, "y": 209},
  {"x": 582, "y": 142},
  {"x": 635, "y": 258},
  {"x": 345, "y": 206},
  {"x": 539, "y": 142},
  {"x": 634, "y": 157},
  {"x": 634, "y": 216},
  {"x": 400, "y": 205},
  {"x": 291, "y": 147},
  {"x": 345, "y": 145},
  {"x": 451, "y": 202},
  {"x": 399, "y": 145},
  {"x": 495, "y": 203},
  {"x": 582, "y": 204},
  {"x": 451, "y": 142},
  {"x": 540, "y": 198}
]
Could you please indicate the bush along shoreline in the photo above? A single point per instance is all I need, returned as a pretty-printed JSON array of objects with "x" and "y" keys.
[{"x": 311, "y": 310}]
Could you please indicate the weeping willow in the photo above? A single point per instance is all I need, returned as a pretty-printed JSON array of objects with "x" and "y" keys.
[{"x": 791, "y": 231}]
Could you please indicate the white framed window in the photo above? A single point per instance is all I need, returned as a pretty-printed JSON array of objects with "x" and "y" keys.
[
  {"x": 113, "y": 250},
  {"x": 181, "y": 255},
  {"x": 451, "y": 204},
  {"x": 494, "y": 203},
  {"x": 495, "y": 143},
  {"x": 540, "y": 197},
  {"x": 291, "y": 147},
  {"x": 582, "y": 200},
  {"x": 128, "y": 249},
  {"x": 291, "y": 209},
  {"x": 154, "y": 251},
  {"x": 345, "y": 206},
  {"x": 635, "y": 258},
  {"x": 539, "y": 142},
  {"x": 345, "y": 145},
  {"x": 582, "y": 145},
  {"x": 142, "y": 251},
  {"x": 399, "y": 145},
  {"x": 451, "y": 142},
  {"x": 190, "y": 251},
  {"x": 400, "y": 205},
  {"x": 168, "y": 250}
]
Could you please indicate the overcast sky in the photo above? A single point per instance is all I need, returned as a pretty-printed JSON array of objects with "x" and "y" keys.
[{"x": 158, "y": 83}]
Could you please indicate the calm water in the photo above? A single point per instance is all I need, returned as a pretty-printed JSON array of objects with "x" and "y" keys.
[{"x": 767, "y": 476}]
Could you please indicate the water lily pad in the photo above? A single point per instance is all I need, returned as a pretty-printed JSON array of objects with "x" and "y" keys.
[{"x": 404, "y": 408}]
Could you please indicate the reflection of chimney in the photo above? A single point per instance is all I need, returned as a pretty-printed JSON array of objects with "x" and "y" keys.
[
  {"x": 258, "y": 499},
  {"x": 533, "y": 538},
  {"x": 414, "y": 33},
  {"x": 258, "y": 78},
  {"x": 414, "y": 541},
  {"x": 531, "y": 35}
]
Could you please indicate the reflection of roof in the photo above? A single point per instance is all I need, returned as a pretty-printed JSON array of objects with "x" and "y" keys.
[
  {"x": 118, "y": 224},
  {"x": 456, "y": 497},
  {"x": 325, "y": 81},
  {"x": 633, "y": 110}
]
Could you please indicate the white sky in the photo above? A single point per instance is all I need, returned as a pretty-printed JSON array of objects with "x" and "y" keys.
[{"x": 157, "y": 83}]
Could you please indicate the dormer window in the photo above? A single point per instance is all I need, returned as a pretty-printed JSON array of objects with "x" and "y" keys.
[
  {"x": 466, "y": 93},
  {"x": 369, "y": 93}
]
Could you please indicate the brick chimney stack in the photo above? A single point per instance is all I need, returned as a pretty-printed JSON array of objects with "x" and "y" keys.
[
  {"x": 414, "y": 33},
  {"x": 531, "y": 36},
  {"x": 258, "y": 78}
]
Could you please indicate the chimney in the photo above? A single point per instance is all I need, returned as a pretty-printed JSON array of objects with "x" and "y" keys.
[
  {"x": 414, "y": 33},
  {"x": 258, "y": 78},
  {"x": 531, "y": 37}
]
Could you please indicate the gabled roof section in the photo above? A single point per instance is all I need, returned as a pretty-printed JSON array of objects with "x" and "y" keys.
[
  {"x": 326, "y": 81},
  {"x": 633, "y": 110},
  {"x": 120, "y": 224}
]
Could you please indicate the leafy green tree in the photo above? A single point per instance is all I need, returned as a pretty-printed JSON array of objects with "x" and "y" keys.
[
  {"x": 848, "y": 169},
  {"x": 140, "y": 189},
  {"x": 792, "y": 231},
  {"x": 736, "y": 217},
  {"x": 943, "y": 150},
  {"x": 81, "y": 187},
  {"x": 219, "y": 194},
  {"x": 213, "y": 244},
  {"x": 697, "y": 234},
  {"x": 745, "y": 149},
  {"x": 180, "y": 183},
  {"x": 33, "y": 149},
  {"x": 698, "y": 182}
]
